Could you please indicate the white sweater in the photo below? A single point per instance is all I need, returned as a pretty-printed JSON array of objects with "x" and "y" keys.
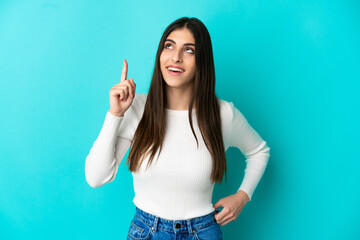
[{"x": 176, "y": 186}]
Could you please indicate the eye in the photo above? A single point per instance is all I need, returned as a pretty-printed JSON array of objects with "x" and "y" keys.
[
  {"x": 192, "y": 51},
  {"x": 168, "y": 44}
]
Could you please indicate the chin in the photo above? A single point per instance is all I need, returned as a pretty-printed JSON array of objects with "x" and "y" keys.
[{"x": 172, "y": 84}]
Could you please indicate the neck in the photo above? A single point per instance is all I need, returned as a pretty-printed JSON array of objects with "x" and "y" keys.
[{"x": 178, "y": 99}]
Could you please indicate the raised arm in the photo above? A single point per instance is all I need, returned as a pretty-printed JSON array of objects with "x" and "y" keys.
[{"x": 110, "y": 147}]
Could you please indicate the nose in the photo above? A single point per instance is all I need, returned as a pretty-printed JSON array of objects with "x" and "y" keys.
[{"x": 177, "y": 57}]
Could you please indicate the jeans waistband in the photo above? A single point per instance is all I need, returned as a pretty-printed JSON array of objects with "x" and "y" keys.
[{"x": 179, "y": 226}]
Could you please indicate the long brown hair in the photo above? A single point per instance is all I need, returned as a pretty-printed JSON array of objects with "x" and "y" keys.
[{"x": 151, "y": 129}]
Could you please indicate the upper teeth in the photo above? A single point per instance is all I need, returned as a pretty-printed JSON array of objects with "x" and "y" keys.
[{"x": 175, "y": 69}]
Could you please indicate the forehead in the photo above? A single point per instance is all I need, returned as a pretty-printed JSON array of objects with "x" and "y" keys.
[{"x": 182, "y": 36}]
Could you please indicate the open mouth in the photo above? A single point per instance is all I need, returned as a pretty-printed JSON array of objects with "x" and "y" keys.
[{"x": 174, "y": 71}]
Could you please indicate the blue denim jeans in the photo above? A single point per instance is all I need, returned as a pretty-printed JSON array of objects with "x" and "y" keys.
[{"x": 147, "y": 226}]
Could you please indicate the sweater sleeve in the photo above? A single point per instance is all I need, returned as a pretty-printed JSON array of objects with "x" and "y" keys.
[
  {"x": 107, "y": 152},
  {"x": 113, "y": 142},
  {"x": 254, "y": 148}
]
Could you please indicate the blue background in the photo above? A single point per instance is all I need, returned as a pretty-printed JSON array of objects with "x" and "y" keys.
[{"x": 291, "y": 67}]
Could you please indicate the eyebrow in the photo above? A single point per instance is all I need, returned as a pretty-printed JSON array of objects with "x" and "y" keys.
[{"x": 175, "y": 42}]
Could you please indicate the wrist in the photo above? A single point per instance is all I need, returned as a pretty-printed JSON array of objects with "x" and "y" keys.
[
  {"x": 121, "y": 114},
  {"x": 243, "y": 195}
]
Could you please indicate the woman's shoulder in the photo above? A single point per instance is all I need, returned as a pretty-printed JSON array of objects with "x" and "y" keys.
[
  {"x": 136, "y": 109},
  {"x": 138, "y": 103},
  {"x": 226, "y": 109},
  {"x": 140, "y": 97},
  {"x": 226, "y": 115}
]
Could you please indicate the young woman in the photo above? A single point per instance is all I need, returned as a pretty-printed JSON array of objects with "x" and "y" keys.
[{"x": 177, "y": 133}]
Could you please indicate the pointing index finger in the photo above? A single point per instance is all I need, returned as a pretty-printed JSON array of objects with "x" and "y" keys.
[{"x": 124, "y": 71}]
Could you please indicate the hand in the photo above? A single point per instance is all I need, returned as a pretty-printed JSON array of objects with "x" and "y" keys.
[
  {"x": 122, "y": 94},
  {"x": 232, "y": 206}
]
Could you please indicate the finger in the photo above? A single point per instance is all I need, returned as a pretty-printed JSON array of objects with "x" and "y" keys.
[
  {"x": 130, "y": 88},
  {"x": 124, "y": 71},
  {"x": 122, "y": 94},
  {"x": 219, "y": 216},
  {"x": 132, "y": 82},
  {"x": 217, "y": 205},
  {"x": 127, "y": 88},
  {"x": 133, "y": 87},
  {"x": 224, "y": 220}
]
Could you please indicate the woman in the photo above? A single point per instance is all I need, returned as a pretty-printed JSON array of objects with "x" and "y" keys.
[{"x": 183, "y": 126}]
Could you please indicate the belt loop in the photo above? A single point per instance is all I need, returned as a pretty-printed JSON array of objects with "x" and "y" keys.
[
  {"x": 154, "y": 228},
  {"x": 189, "y": 227}
]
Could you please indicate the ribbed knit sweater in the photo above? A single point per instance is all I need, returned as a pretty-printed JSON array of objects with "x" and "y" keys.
[{"x": 177, "y": 185}]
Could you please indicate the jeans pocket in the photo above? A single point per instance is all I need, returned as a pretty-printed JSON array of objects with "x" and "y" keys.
[
  {"x": 211, "y": 232},
  {"x": 138, "y": 230}
]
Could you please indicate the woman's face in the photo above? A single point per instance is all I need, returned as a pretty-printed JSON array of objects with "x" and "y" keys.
[{"x": 179, "y": 51}]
